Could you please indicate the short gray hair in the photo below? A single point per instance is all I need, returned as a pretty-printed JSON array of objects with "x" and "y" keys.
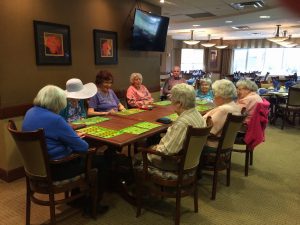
[
  {"x": 206, "y": 80},
  {"x": 248, "y": 84},
  {"x": 51, "y": 97},
  {"x": 134, "y": 75},
  {"x": 224, "y": 89},
  {"x": 184, "y": 94}
]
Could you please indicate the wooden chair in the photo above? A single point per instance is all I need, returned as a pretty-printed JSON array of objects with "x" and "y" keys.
[
  {"x": 221, "y": 159},
  {"x": 291, "y": 106},
  {"x": 247, "y": 137},
  {"x": 174, "y": 184},
  {"x": 33, "y": 149}
]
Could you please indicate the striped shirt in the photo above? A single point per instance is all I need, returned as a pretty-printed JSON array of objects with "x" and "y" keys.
[{"x": 173, "y": 141}]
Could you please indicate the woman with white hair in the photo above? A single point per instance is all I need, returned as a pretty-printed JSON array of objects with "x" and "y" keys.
[
  {"x": 204, "y": 90},
  {"x": 183, "y": 100},
  {"x": 61, "y": 139},
  {"x": 225, "y": 93},
  {"x": 137, "y": 94},
  {"x": 247, "y": 96}
]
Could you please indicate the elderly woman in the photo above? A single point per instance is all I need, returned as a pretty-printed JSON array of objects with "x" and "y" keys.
[
  {"x": 225, "y": 93},
  {"x": 247, "y": 96},
  {"x": 137, "y": 94},
  {"x": 76, "y": 93},
  {"x": 105, "y": 101},
  {"x": 204, "y": 91},
  {"x": 61, "y": 139},
  {"x": 183, "y": 100}
]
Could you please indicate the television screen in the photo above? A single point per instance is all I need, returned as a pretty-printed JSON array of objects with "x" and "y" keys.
[{"x": 149, "y": 31}]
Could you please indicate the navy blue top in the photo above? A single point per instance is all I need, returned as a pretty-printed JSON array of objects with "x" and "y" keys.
[
  {"x": 103, "y": 102},
  {"x": 61, "y": 139}
]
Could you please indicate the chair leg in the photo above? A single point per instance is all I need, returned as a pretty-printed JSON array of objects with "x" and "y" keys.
[
  {"x": 214, "y": 187},
  {"x": 228, "y": 172},
  {"x": 195, "y": 196},
  {"x": 138, "y": 197},
  {"x": 247, "y": 162},
  {"x": 52, "y": 209},
  {"x": 177, "y": 213},
  {"x": 251, "y": 157},
  {"x": 283, "y": 119},
  {"x": 28, "y": 204}
]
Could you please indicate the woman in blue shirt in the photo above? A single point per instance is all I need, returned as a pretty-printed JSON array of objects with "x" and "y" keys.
[{"x": 61, "y": 139}]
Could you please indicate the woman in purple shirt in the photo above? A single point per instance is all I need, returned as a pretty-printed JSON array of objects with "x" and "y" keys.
[{"x": 105, "y": 101}]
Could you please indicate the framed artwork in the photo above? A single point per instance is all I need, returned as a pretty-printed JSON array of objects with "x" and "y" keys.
[
  {"x": 214, "y": 60},
  {"x": 52, "y": 43},
  {"x": 105, "y": 47}
]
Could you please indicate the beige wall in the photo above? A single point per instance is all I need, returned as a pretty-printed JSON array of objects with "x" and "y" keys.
[{"x": 21, "y": 78}]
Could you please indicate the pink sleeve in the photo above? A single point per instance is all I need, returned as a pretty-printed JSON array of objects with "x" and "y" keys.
[{"x": 218, "y": 117}]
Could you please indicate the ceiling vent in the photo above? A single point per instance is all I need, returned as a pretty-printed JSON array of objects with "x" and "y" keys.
[
  {"x": 250, "y": 4},
  {"x": 200, "y": 15}
]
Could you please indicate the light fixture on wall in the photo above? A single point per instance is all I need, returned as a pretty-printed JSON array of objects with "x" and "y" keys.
[
  {"x": 221, "y": 45},
  {"x": 277, "y": 38},
  {"x": 191, "y": 41},
  {"x": 208, "y": 44}
]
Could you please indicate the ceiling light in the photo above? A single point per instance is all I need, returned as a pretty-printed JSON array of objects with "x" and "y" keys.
[
  {"x": 208, "y": 44},
  {"x": 228, "y": 21},
  {"x": 236, "y": 28},
  {"x": 264, "y": 17},
  {"x": 196, "y": 25},
  {"x": 191, "y": 41},
  {"x": 277, "y": 38},
  {"x": 162, "y": 1},
  {"x": 221, "y": 45}
]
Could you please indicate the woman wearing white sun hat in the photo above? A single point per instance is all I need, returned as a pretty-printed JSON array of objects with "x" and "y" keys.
[{"x": 76, "y": 92}]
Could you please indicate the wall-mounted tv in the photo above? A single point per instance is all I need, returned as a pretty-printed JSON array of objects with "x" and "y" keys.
[{"x": 149, "y": 32}]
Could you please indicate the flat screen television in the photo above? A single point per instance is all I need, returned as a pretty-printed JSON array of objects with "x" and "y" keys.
[{"x": 149, "y": 32}]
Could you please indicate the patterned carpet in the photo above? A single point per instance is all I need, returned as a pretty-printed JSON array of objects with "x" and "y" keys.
[{"x": 269, "y": 195}]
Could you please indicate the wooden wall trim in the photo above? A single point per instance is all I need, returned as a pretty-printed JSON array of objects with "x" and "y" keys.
[
  {"x": 20, "y": 110},
  {"x": 14, "y": 111},
  {"x": 12, "y": 175}
]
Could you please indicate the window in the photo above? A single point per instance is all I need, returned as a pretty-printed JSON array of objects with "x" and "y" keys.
[
  {"x": 278, "y": 61},
  {"x": 192, "y": 59}
]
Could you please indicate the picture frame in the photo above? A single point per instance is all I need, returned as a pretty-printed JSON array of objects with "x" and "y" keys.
[
  {"x": 105, "y": 47},
  {"x": 214, "y": 60},
  {"x": 52, "y": 43}
]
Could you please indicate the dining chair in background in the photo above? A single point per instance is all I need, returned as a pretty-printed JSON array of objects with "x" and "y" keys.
[
  {"x": 173, "y": 184},
  {"x": 33, "y": 150},
  {"x": 253, "y": 133}
]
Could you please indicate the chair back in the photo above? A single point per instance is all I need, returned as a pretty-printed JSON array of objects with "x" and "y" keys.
[
  {"x": 194, "y": 143},
  {"x": 33, "y": 149},
  {"x": 232, "y": 125},
  {"x": 294, "y": 96}
]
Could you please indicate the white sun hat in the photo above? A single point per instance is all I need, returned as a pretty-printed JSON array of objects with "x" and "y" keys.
[{"x": 76, "y": 89}]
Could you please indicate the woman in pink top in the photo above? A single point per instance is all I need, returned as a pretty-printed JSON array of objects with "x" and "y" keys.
[
  {"x": 224, "y": 95},
  {"x": 138, "y": 95},
  {"x": 247, "y": 96}
]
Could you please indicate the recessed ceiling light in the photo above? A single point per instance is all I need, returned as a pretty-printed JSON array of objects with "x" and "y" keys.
[
  {"x": 162, "y": 1},
  {"x": 264, "y": 17},
  {"x": 228, "y": 21},
  {"x": 236, "y": 28},
  {"x": 196, "y": 25}
]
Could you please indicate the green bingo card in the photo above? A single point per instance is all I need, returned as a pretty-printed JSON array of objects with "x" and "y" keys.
[
  {"x": 166, "y": 102},
  {"x": 130, "y": 112},
  {"x": 201, "y": 102},
  {"x": 172, "y": 117},
  {"x": 140, "y": 128},
  {"x": 100, "y": 132},
  {"x": 91, "y": 121},
  {"x": 202, "y": 108}
]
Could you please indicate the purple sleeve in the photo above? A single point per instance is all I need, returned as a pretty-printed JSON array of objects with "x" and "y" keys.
[
  {"x": 93, "y": 102},
  {"x": 115, "y": 97}
]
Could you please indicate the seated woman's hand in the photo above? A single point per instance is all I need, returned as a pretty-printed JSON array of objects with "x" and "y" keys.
[{"x": 80, "y": 134}]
